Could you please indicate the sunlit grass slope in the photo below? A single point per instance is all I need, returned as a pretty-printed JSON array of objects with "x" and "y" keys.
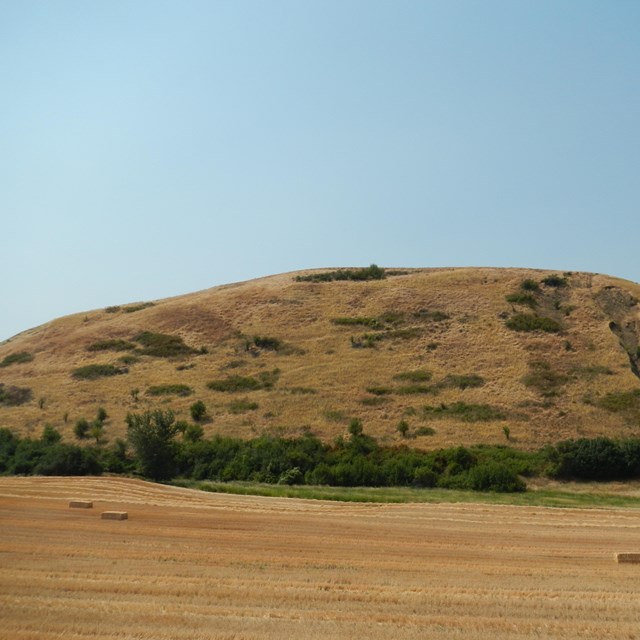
[{"x": 462, "y": 356}]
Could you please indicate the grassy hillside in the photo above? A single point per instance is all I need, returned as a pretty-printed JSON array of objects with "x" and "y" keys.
[{"x": 426, "y": 357}]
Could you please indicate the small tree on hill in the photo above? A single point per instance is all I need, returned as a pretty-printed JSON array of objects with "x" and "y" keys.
[{"x": 152, "y": 436}]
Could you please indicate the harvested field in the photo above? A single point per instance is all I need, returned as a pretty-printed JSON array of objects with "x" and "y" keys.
[{"x": 188, "y": 564}]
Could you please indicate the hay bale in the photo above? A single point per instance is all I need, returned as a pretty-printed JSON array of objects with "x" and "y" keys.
[
  {"x": 628, "y": 557},
  {"x": 115, "y": 515},
  {"x": 81, "y": 504}
]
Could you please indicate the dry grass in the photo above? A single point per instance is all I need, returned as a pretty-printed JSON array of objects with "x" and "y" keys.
[
  {"x": 196, "y": 565},
  {"x": 474, "y": 340}
]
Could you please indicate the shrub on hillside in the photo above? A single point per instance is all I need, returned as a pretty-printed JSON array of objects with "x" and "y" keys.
[
  {"x": 16, "y": 358},
  {"x": 11, "y": 396},
  {"x": 111, "y": 345},
  {"x": 465, "y": 412},
  {"x": 95, "y": 371},
  {"x": 170, "y": 390},
  {"x": 530, "y": 322},
  {"x": 373, "y": 272},
  {"x": 555, "y": 281},
  {"x": 160, "y": 345}
]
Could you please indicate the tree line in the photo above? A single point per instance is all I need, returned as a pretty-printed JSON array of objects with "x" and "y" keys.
[{"x": 160, "y": 448}]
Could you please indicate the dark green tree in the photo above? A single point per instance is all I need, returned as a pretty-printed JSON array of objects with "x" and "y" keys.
[{"x": 152, "y": 436}]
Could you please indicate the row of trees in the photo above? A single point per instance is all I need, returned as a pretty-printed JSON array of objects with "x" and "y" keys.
[{"x": 160, "y": 448}]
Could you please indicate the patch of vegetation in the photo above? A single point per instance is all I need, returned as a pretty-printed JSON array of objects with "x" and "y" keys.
[
  {"x": 522, "y": 298},
  {"x": 160, "y": 345},
  {"x": 463, "y": 381},
  {"x": 555, "y": 281},
  {"x": 242, "y": 406},
  {"x": 627, "y": 402},
  {"x": 425, "y": 431},
  {"x": 530, "y": 322},
  {"x": 170, "y": 390},
  {"x": 373, "y": 323},
  {"x": 302, "y": 391},
  {"x": 11, "y": 396},
  {"x": 418, "y": 375},
  {"x": 544, "y": 379},
  {"x": 198, "y": 411},
  {"x": 379, "y": 391},
  {"x": 16, "y": 358},
  {"x": 128, "y": 359},
  {"x": 111, "y": 345},
  {"x": 464, "y": 412},
  {"x": 596, "y": 459},
  {"x": 530, "y": 285},
  {"x": 138, "y": 307},
  {"x": 95, "y": 371},
  {"x": 265, "y": 342},
  {"x": 235, "y": 383},
  {"x": 372, "y": 272}
]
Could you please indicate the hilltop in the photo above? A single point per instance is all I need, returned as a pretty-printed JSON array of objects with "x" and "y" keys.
[{"x": 448, "y": 356}]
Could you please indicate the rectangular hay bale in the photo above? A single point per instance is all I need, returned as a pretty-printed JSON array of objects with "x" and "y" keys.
[
  {"x": 628, "y": 557},
  {"x": 81, "y": 504},
  {"x": 115, "y": 515}
]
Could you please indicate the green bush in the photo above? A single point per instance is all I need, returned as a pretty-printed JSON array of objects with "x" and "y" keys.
[
  {"x": 495, "y": 477},
  {"x": 111, "y": 345},
  {"x": 95, "y": 371},
  {"x": 554, "y": 281},
  {"x": 372, "y": 323},
  {"x": 11, "y": 396},
  {"x": 379, "y": 391},
  {"x": 372, "y": 272},
  {"x": 414, "y": 376},
  {"x": 16, "y": 358},
  {"x": 170, "y": 390},
  {"x": 596, "y": 459},
  {"x": 81, "y": 428},
  {"x": 198, "y": 411},
  {"x": 529, "y": 285},
  {"x": 522, "y": 298},
  {"x": 138, "y": 307},
  {"x": 530, "y": 322},
  {"x": 160, "y": 345},
  {"x": 265, "y": 342},
  {"x": 465, "y": 412}
]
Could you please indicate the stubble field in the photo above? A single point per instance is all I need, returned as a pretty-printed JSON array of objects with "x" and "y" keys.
[{"x": 189, "y": 564}]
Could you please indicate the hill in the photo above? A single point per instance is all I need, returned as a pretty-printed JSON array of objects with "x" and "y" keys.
[{"x": 447, "y": 356}]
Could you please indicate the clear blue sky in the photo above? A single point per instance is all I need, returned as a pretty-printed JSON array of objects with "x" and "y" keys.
[{"x": 151, "y": 148}]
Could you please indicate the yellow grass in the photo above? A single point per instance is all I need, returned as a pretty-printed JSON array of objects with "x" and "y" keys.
[
  {"x": 196, "y": 565},
  {"x": 475, "y": 340}
]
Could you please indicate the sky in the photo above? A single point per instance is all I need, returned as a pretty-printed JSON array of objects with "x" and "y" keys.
[{"x": 150, "y": 148}]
